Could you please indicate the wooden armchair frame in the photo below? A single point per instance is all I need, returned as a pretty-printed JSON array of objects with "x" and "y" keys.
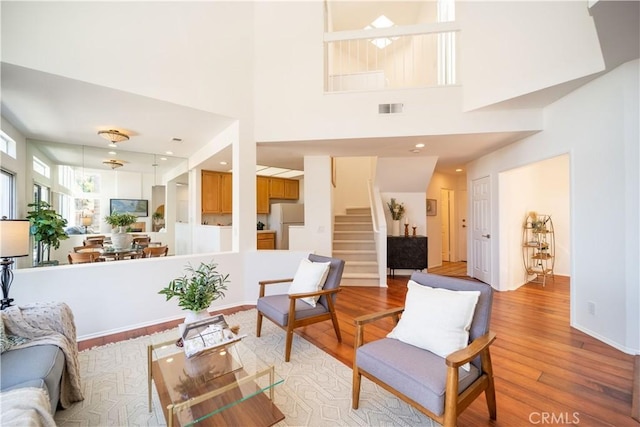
[
  {"x": 454, "y": 403},
  {"x": 294, "y": 323}
]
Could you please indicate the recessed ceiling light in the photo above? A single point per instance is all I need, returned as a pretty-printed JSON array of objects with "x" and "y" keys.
[
  {"x": 420, "y": 145},
  {"x": 113, "y": 153},
  {"x": 415, "y": 151},
  {"x": 223, "y": 162},
  {"x": 458, "y": 170},
  {"x": 168, "y": 153},
  {"x": 112, "y": 145},
  {"x": 163, "y": 158}
]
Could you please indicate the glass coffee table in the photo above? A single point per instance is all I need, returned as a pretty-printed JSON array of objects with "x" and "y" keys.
[{"x": 224, "y": 386}]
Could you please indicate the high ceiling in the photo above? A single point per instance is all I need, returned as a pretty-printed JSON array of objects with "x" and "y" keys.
[{"x": 52, "y": 109}]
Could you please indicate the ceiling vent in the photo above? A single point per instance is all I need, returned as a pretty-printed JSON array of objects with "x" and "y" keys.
[{"x": 390, "y": 108}]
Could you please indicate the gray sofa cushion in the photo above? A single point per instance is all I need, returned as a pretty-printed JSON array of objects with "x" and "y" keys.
[
  {"x": 276, "y": 308},
  {"x": 410, "y": 370},
  {"x": 29, "y": 364}
]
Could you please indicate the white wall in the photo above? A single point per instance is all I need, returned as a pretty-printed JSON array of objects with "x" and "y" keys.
[
  {"x": 291, "y": 104},
  {"x": 542, "y": 187},
  {"x": 598, "y": 126},
  {"x": 548, "y": 42},
  {"x": 352, "y": 179},
  {"x": 318, "y": 208}
]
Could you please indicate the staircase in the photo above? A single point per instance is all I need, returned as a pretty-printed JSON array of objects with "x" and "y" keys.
[{"x": 353, "y": 242}]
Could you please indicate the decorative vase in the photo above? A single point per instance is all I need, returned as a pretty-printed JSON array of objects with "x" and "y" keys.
[
  {"x": 194, "y": 316},
  {"x": 120, "y": 238},
  {"x": 395, "y": 227}
]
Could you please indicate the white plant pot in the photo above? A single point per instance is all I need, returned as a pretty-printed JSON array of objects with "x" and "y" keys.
[
  {"x": 395, "y": 227},
  {"x": 121, "y": 239}
]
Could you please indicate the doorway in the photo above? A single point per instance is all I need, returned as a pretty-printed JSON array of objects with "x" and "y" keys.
[{"x": 481, "y": 232}]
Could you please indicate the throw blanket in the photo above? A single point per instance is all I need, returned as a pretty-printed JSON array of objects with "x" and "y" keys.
[
  {"x": 49, "y": 323},
  {"x": 26, "y": 407}
]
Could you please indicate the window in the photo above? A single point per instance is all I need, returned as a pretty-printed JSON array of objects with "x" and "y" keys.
[
  {"x": 66, "y": 176},
  {"x": 7, "y": 144},
  {"x": 41, "y": 167},
  {"x": 7, "y": 194}
]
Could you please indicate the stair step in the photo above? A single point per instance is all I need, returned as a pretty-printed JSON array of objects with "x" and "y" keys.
[
  {"x": 360, "y": 279},
  {"x": 353, "y": 218},
  {"x": 355, "y": 255},
  {"x": 353, "y": 235},
  {"x": 353, "y": 226},
  {"x": 354, "y": 245},
  {"x": 357, "y": 267},
  {"x": 359, "y": 211}
]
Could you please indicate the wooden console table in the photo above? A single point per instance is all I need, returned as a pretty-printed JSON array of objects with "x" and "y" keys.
[{"x": 406, "y": 252}]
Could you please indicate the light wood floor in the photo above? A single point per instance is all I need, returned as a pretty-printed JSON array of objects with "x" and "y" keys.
[{"x": 544, "y": 369}]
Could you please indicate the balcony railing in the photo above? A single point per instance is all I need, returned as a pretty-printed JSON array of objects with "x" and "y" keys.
[{"x": 391, "y": 58}]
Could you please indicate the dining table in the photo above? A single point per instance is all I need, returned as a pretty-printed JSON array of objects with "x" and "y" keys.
[{"x": 115, "y": 254}]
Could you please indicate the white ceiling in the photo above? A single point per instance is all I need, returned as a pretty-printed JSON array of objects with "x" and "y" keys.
[{"x": 52, "y": 109}]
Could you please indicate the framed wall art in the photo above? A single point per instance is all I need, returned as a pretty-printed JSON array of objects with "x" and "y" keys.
[{"x": 432, "y": 207}]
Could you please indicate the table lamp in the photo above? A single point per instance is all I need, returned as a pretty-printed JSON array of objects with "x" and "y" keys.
[
  {"x": 86, "y": 222},
  {"x": 14, "y": 242}
]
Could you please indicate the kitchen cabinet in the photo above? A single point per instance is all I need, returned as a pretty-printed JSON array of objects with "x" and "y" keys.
[
  {"x": 282, "y": 188},
  {"x": 266, "y": 240},
  {"x": 217, "y": 189},
  {"x": 262, "y": 195}
]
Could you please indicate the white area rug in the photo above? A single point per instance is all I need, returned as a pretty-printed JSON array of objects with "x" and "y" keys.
[{"x": 316, "y": 390}]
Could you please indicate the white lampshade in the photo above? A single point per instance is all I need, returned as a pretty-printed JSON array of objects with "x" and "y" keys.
[{"x": 14, "y": 238}]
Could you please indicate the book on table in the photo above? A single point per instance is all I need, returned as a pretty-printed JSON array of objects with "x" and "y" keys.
[{"x": 207, "y": 334}]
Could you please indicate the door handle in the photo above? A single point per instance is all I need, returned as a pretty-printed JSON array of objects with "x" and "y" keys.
[{"x": 488, "y": 236}]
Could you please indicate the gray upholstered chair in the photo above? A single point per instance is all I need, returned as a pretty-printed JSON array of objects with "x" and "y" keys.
[
  {"x": 438, "y": 387},
  {"x": 289, "y": 312}
]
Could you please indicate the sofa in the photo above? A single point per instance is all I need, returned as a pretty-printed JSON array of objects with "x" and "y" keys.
[{"x": 39, "y": 362}]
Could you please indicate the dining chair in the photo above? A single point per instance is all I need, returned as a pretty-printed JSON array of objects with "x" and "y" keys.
[
  {"x": 82, "y": 257},
  {"x": 141, "y": 240},
  {"x": 94, "y": 240},
  {"x": 155, "y": 251}
]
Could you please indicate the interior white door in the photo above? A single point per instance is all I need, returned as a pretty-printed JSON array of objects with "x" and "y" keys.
[
  {"x": 445, "y": 218},
  {"x": 481, "y": 229},
  {"x": 462, "y": 224}
]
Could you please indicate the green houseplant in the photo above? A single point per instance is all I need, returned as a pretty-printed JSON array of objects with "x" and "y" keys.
[
  {"x": 197, "y": 289},
  {"x": 117, "y": 220},
  {"x": 47, "y": 228}
]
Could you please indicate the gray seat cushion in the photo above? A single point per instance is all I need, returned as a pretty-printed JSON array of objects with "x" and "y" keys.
[
  {"x": 414, "y": 372},
  {"x": 29, "y": 365},
  {"x": 276, "y": 308}
]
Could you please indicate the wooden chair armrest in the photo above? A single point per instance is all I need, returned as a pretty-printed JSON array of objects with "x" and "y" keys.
[
  {"x": 360, "y": 321},
  {"x": 274, "y": 281},
  {"x": 368, "y": 318},
  {"x": 263, "y": 283},
  {"x": 470, "y": 352},
  {"x": 314, "y": 294}
]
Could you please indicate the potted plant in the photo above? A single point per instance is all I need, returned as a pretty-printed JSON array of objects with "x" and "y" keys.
[
  {"x": 197, "y": 289},
  {"x": 47, "y": 227},
  {"x": 120, "y": 223},
  {"x": 397, "y": 211}
]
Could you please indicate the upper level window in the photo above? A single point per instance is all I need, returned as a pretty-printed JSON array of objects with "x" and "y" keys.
[
  {"x": 7, "y": 144},
  {"x": 41, "y": 167}
]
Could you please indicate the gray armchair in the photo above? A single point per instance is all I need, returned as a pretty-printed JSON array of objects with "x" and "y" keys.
[
  {"x": 289, "y": 312},
  {"x": 438, "y": 387}
]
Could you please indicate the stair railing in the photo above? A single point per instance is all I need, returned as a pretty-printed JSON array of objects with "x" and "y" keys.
[{"x": 379, "y": 231}]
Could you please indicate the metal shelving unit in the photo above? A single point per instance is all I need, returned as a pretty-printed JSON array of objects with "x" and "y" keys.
[{"x": 538, "y": 247}]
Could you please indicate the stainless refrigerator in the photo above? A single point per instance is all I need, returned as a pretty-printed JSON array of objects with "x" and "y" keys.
[{"x": 282, "y": 216}]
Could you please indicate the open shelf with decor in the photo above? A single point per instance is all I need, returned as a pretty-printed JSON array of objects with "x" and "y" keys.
[{"x": 538, "y": 247}]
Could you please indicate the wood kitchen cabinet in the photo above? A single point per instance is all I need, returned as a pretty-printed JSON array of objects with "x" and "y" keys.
[
  {"x": 262, "y": 195},
  {"x": 266, "y": 240},
  {"x": 217, "y": 191},
  {"x": 282, "y": 188}
]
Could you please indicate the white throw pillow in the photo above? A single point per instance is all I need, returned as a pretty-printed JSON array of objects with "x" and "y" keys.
[
  {"x": 436, "y": 319},
  {"x": 310, "y": 277}
]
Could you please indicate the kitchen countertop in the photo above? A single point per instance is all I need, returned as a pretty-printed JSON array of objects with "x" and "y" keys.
[{"x": 265, "y": 231}]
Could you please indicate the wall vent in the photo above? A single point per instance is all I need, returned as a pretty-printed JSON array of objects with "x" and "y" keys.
[{"x": 390, "y": 108}]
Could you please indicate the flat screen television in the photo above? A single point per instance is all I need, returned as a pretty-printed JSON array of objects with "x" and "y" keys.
[{"x": 137, "y": 207}]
